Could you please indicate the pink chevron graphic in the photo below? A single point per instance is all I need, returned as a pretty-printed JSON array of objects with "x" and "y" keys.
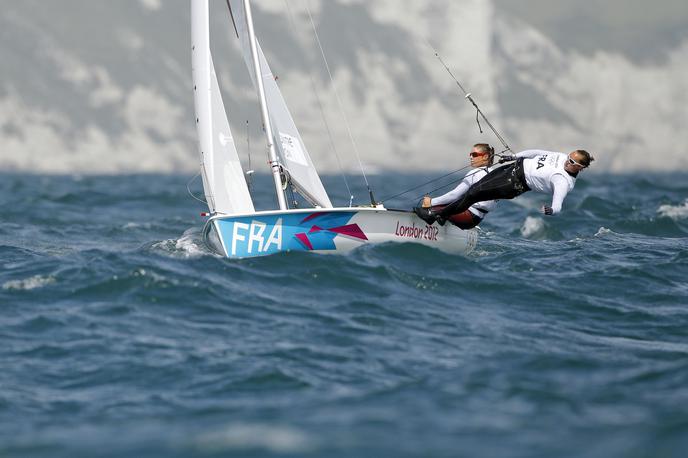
[
  {"x": 313, "y": 216},
  {"x": 349, "y": 230},
  {"x": 303, "y": 238},
  {"x": 352, "y": 230}
]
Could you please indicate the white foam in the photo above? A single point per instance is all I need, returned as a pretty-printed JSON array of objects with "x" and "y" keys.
[
  {"x": 189, "y": 245},
  {"x": 674, "y": 212},
  {"x": 141, "y": 272},
  {"x": 603, "y": 231},
  {"x": 531, "y": 226},
  {"x": 132, "y": 225},
  {"x": 37, "y": 281},
  {"x": 276, "y": 439},
  {"x": 480, "y": 253}
]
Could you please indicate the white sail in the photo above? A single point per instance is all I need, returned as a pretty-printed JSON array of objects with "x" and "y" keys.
[
  {"x": 223, "y": 178},
  {"x": 290, "y": 146},
  {"x": 263, "y": 233}
]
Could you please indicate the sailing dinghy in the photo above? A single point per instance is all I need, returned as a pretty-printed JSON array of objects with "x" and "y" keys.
[{"x": 234, "y": 228}]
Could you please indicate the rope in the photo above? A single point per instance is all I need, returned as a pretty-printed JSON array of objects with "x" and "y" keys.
[
  {"x": 339, "y": 102},
  {"x": 189, "y": 190},
  {"x": 249, "y": 173},
  {"x": 292, "y": 197},
  {"x": 322, "y": 111}
]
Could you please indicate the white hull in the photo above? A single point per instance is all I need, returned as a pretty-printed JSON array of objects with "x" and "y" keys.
[{"x": 331, "y": 230}]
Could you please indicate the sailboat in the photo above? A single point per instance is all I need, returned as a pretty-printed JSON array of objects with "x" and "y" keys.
[{"x": 234, "y": 228}]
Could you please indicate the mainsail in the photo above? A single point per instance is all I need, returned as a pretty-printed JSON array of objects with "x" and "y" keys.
[
  {"x": 290, "y": 146},
  {"x": 223, "y": 178}
]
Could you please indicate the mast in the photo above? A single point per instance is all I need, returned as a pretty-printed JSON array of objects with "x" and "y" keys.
[{"x": 274, "y": 163}]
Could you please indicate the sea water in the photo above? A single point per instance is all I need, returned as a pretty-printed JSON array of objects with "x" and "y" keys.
[{"x": 122, "y": 335}]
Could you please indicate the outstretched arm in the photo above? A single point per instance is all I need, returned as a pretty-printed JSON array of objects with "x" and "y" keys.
[
  {"x": 561, "y": 188},
  {"x": 531, "y": 153},
  {"x": 451, "y": 196}
]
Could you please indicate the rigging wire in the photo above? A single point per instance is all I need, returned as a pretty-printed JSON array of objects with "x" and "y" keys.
[
  {"x": 451, "y": 183},
  {"x": 467, "y": 95},
  {"x": 428, "y": 182},
  {"x": 478, "y": 114},
  {"x": 339, "y": 102},
  {"x": 322, "y": 110}
]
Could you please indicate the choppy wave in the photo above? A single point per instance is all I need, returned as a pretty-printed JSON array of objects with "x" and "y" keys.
[
  {"x": 256, "y": 437},
  {"x": 123, "y": 335},
  {"x": 675, "y": 212},
  {"x": 36, "y": 281},
  {"x": 189, "y": 245}
]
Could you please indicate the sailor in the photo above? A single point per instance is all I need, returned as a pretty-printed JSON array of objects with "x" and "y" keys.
[
  {"x": 538, "y": 170},
  {"x": 482, "y": 158}
]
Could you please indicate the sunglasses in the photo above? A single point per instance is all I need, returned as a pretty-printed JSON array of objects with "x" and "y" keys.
[
  {"x": 474, "y": 154},
  {"x": 572, "y": 162}
]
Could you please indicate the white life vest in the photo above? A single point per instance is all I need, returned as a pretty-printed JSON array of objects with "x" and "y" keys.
[{"x": 539, "y": 171}]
